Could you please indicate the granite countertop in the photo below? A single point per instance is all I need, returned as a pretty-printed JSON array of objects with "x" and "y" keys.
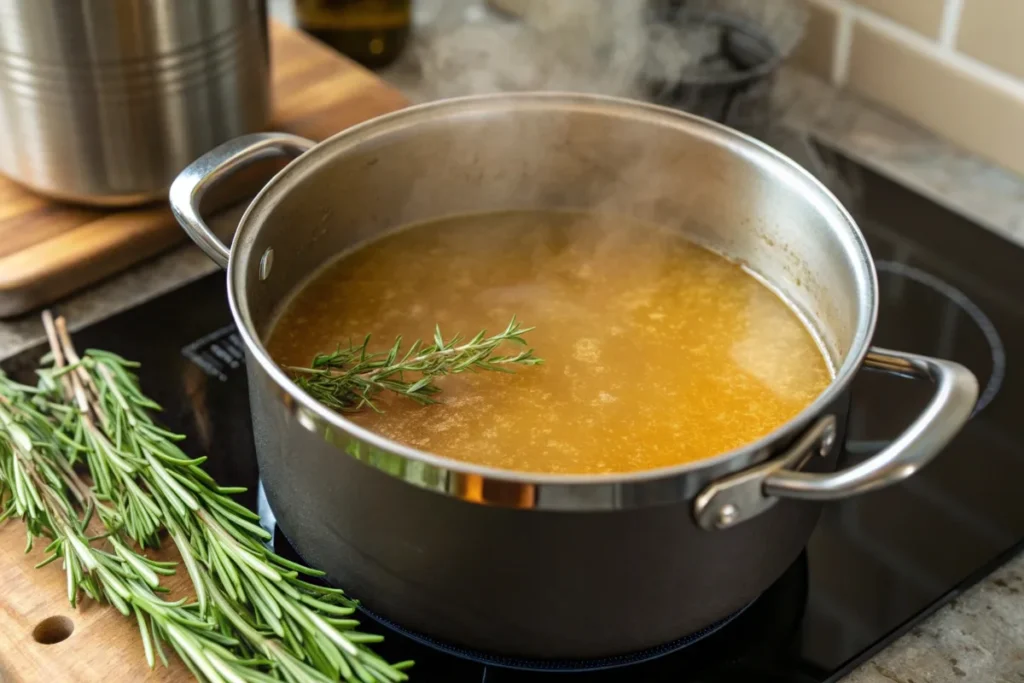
[{"x": 980, "y": 635}]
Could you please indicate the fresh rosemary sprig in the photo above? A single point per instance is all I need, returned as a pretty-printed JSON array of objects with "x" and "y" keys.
[
  {"x": 38, "y": 485},
  {"x": 352, "y": 377}
]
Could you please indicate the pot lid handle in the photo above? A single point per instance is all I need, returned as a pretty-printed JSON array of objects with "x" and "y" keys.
[{"x": 195, "y": 181}]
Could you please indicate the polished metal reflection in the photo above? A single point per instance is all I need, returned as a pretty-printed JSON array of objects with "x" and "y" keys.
[
  {"x": 726, "y": 190},
  {"x": 956, "y": 391},
  {"x": 738, "y": 497},
  {"x": 750, "y": 492},
  {"x": 105, "y": 101},
  {"x": 192, "y": 184}
]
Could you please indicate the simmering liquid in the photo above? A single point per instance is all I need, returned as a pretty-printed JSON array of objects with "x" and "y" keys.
[{"x": 656, "y": 351}]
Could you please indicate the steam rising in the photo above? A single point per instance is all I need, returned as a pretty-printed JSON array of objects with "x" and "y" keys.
[
  {"x": 610, "y": 47},
  {"x": 613, "y": 47}
]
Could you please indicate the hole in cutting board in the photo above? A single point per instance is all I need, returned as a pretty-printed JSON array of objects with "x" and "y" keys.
[{"x": 53, "y": 630}]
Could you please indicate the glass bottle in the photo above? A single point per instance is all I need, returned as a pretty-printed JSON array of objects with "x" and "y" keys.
[{"x": 372, "y": 32}]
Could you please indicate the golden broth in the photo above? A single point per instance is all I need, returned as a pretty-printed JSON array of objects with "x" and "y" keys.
[{"x": 656, "y": 351}]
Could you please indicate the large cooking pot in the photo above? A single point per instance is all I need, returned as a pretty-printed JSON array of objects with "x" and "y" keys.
[{"x": 547, "y": 565}]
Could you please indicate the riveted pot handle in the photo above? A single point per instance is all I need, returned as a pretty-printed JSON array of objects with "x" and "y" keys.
[
  {"x": 188, "y": 188},
  {"x": 956, "y": 390},
  {"x": 743, "y": 495}
]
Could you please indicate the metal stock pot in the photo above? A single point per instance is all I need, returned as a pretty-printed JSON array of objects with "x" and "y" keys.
[
  {"x": 556, "y": 566},
  {"x": 104, "y": 101}
]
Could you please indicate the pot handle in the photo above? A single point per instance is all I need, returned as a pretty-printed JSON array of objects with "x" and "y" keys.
[
  {"x": 188, "y": 188},
  {"x": 745, "y": 494}
]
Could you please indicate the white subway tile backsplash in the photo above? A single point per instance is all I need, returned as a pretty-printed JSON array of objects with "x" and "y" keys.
[
  {"x": 990, "y": 30},
  {"x": 938, "y": 94},
  {"x": 954, "y": 66}
]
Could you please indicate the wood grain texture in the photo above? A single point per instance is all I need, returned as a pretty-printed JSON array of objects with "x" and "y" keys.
[{"x": 49, "y": 249}]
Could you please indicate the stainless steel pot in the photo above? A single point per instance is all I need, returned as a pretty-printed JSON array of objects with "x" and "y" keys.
[
  {"x": 552, "y": 565},
  {"x": 105, "y": 101}
]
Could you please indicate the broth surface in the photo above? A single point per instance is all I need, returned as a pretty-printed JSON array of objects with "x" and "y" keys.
[{"x": 656, "y": 351}]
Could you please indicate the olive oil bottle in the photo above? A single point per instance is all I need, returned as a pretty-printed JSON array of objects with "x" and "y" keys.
[{"x": 372, "y": 32}]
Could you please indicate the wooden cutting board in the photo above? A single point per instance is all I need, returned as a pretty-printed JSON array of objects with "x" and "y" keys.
[
  {"x": 49, "y": 249},
  {"x": 94, "y": 643}
]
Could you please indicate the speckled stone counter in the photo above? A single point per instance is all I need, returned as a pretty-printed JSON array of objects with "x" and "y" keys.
[{"x": 979, "y": 637}]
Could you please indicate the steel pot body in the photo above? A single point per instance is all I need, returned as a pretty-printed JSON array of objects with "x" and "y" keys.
[
  {"x": 555, "y": 566},
  {"x": 106, "y": 101}
]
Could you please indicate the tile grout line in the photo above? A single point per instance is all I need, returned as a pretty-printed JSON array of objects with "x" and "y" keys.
[
  {"x": 974, "y": 68},
  {"x": 950, "y": 26},
  {"x": 841, "y": 48},
  {"x": 843, "y": 38}
]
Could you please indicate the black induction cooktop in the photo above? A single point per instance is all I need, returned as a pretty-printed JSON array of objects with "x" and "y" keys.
[{"x": 875, "y": 565}]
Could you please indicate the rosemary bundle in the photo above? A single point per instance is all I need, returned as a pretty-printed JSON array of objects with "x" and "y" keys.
[
  {"x": 39, "y": 485},
  {"x": 350, "y": 378},
  {"x": 255, "y": 618}
]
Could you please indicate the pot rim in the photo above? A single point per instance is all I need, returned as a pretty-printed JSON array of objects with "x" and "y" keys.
[{"x": 315, "y": 415}]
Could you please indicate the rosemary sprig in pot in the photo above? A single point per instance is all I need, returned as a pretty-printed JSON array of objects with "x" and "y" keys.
[
  {"x": 350, "y": 378},
  {"x": 297, "y": 627}
]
